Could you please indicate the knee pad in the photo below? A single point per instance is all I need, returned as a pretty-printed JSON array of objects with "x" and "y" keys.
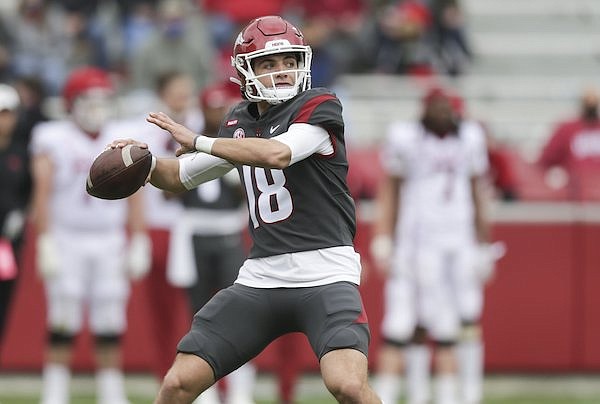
[
  {"x": 355, "y": 337},
  {"x": 446, "y": 343},
  {"x": 108, "y": 339},
  {"x": 395, "y": 343},
  {"x": 56, "y": 338}
]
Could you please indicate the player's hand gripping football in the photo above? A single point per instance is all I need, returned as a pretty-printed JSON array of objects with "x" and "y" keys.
[
  {"x": 180, "y": 133},
  {"x": 120, "y": 143}
]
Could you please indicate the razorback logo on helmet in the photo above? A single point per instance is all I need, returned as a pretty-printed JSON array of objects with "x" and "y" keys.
[{"x": 240, "y": 39}]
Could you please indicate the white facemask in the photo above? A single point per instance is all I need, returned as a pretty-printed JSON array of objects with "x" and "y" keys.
[{"x": 91, "y": 111}]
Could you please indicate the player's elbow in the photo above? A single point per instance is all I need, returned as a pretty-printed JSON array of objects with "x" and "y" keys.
[{"x": 277, "y": 156}]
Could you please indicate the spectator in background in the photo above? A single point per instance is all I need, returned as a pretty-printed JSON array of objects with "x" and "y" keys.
[
  {"x": 227, "y": 17},
  {"x": 428, "y": 238},
  {"x": 336, "y": 30},
  {"x": 574, "y": 145},
  {"x": 15, "y": 190},
  {"x": 401, "y": 38},
  {"x": 39, "y": 45},
  {"x": 448, "y": 37},
  {"x": 32, "y": 94},
  {"x": 208, "y": 247},
  {"x": 6, "y": 43},
  {"x": 138, "y": 21},
  {"x": 48, "y": 41},
  {"x": 182, "y": 42},
  {"x": 82, "y": 252},
  {"x": 86, "y": 33}
]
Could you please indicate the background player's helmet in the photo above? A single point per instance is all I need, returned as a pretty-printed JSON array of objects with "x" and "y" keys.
[
  {"x": 88, "y": 95},
  {"x": 440, "y": 113},
  {"x": 266, "y": 36}
]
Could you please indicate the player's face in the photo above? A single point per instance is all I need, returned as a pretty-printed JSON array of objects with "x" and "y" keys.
[
  {"x": 440, "y": 115},
  {"x": 8, "y": 122},
  {"x": 276, "y": 71},
  {"x": 92, "y": 110},
  {"x": 178, "y": 94}
]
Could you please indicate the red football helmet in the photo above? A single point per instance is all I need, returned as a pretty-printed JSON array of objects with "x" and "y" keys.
[
  {"x": 84, "y": 79},
  {"x": 267, "y": 36},
  {"x": 88, "y": 95}
]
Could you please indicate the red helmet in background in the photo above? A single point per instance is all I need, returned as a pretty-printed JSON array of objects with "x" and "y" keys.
[
  {"x": 267, "y": 36},
  {"x": 83, "y": 80},
  {"x": 219, "y": 95},
  {"x": 440, "y": 114},
  {"x": 88, "y": 94}
]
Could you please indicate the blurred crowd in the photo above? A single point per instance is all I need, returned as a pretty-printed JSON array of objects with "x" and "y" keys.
[{"x": 138, "y": 40}]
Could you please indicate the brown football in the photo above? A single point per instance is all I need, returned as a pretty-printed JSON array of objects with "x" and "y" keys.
[{"x": 118, "y": 173}]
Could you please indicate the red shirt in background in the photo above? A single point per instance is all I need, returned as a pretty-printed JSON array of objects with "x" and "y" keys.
[
  {"x": 575, "y": 146},
  {"x": 242, "y": 12}
]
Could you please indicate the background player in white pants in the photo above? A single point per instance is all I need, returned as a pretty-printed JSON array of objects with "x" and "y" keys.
[
  {"x": 428, "y": 236},
  {"x": 82, "y": 249}
]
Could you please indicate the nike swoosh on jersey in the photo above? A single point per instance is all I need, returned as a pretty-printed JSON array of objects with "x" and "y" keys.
[{"x": 273, "y": 129}]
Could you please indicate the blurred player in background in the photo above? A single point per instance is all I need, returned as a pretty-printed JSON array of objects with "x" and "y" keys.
[
  {"x": 83, "y": 253},
  {"x": 208, "y": 247},
  {"x": 302, "y": 275},
  {"x": 15, "y": 191},
  {"x": 175, "y": 91},
  {"x": 432, "y": 240}
]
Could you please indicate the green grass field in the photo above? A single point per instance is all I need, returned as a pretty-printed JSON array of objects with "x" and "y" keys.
[
  {"x": 499, "y": 389},
  {"x": 318, "y": 400}
]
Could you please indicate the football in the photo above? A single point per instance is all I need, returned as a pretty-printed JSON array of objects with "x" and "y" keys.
[{"x": 118, "y": 173}]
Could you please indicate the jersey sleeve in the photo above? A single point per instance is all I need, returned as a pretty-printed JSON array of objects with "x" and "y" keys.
[
  {"x": 324, "y": 110},
  {"x": 304, "y": 140},
  {"x": 197, "y": 168},
  {"x": 43, "y": 139},
  {"x": 478, "y": 156},
  {"x": 394, "y": 151}
]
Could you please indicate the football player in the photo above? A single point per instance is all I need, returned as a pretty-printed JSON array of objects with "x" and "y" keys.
[
  {"x": 83, "y": 253},
  {"x": 428, "y": 237},
  {"x": 286, "y": 142}
]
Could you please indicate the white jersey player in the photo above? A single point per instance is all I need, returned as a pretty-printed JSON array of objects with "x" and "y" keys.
[
  {"x": 428, "y": 237},
  {"x": 83, "y": 252}
]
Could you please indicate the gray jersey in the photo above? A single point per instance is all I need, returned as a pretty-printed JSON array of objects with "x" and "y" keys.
[{"x": 306, "y": 206}]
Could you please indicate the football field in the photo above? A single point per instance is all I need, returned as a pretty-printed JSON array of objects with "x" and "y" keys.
[{"x": 499, "y": 389}]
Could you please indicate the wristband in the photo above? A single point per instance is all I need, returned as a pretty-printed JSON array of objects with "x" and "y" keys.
[
  {"x": 204, "y": 143},
  {"x": 152, "y": 167}
]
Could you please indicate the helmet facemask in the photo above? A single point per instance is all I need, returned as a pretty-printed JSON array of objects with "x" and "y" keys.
[
  {"x": 256, "y": 91},
  {"x": 93, "y": 109}
]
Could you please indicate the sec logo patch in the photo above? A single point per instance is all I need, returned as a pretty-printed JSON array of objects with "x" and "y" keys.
[{"x": 239, "y": 133}]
